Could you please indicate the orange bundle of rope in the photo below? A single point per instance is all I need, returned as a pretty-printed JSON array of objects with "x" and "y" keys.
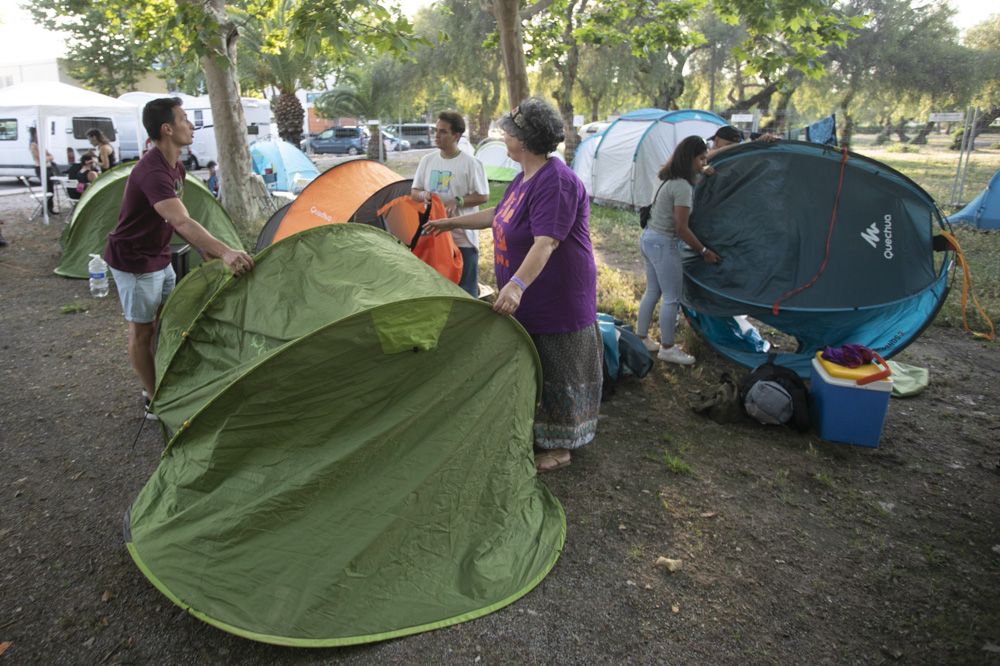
[{"x": 967, "y": 290}]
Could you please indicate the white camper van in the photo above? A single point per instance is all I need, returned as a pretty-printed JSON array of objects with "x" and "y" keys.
[
  {"x": 199, "y": 112},
  {"x": 66, "y": 139}
]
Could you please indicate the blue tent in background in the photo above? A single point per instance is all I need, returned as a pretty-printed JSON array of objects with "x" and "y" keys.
[
  {"x": 283, "y": 166},
  {"x": 868, "y": 275},
  {"x": 983, "y": 212}
]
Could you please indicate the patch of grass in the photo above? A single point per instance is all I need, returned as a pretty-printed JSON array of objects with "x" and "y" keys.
[
  {"x": 618, "y": 293},
  {"x": 637, "y": 552},
  {"x": 675, "y": 464},
  {"x": 74, "y": 307},
  {"x": 933, "y": 557},
  {"x": 902, "y": 148},
  {"x": 824, "y": 479}
]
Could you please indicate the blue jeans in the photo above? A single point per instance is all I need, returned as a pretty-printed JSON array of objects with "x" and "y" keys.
[
  {"x": 470, "y": 270},
  {"x": 664, "y": 277}
]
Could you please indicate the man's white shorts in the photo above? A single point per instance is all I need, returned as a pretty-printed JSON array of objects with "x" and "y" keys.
[{"x": 142, "y": 294}]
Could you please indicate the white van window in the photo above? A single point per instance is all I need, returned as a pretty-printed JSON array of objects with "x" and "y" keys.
[
  {"x": 81, "y": 124},
  {"x": 8, "y": 129},
  {"x": 199, "y": 119}
]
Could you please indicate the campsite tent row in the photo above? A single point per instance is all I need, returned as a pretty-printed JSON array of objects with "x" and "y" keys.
[
  {"x": 497, "y": 163},
  {"x": 619, "y": 166}
]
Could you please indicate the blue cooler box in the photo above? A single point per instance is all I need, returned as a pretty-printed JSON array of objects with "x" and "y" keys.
[{"x": 844, "y": 411}]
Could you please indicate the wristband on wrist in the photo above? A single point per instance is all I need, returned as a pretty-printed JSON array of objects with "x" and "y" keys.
[
  {"x": 704, "y": 250},
  {"x": 516, "y": 280},
  {"x": 460, "y": 201}
]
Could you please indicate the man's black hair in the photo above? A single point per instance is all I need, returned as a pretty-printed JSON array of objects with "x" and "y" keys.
[
  {"x": 156, "y": 112},
  {"x": 455, "y": 120}
]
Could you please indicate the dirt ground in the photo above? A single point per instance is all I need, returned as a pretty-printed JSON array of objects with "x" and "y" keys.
[{"x": 794, "y": 550}]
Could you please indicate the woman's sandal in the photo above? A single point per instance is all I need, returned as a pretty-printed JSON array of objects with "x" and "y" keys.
[{"x": 550, "y": 461}]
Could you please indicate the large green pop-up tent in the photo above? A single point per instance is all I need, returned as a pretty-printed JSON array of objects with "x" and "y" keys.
[
  {"x": 350, "y": 453},
  {"x": 96, "y": 216}
]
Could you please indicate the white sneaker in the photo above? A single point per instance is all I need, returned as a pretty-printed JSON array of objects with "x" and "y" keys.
[
  {"x": 675, "y": 355},
  {"x": 150, "y": 416},
  {"x": 650, "y": 344}
]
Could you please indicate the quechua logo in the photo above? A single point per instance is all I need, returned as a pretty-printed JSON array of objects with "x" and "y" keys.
[{"x": 875, "y": 236}]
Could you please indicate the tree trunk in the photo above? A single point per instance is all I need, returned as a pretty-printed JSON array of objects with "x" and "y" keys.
[
  {"x": 885, "y": 135},
  {"x": 508, "y": 19},
  {"x": 567, "y": 79},
  {"x": 243, "y": 193},
  {"x": 847, "y": 131},
  {"x": 779, "y": 113},
  {"x": 289, "y": 114},
  {"x": 595, "y": 108},
  {"x": 375, "y": 149},
  {"x": 672, "y": 86},
  {"x": 900, "y": 131},
  {"x": 761, "y": 100},
  {"x": 984, "y": 121},
  {"x": 921, "y": 138}
]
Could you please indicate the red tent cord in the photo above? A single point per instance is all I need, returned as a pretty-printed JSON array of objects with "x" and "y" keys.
[{"x": 829, "y": 235}]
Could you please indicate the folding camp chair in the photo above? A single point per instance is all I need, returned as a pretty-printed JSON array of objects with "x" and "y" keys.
[
  {"x": 63, "y": 198},
  {"x": 41, "y": 198}
]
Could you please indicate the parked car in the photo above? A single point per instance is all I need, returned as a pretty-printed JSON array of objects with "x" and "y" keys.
[
  {"x": 392, "y": 142},
  {"x": 340, "y": 140}
]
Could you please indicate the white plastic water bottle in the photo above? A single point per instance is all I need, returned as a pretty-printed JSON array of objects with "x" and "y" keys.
[{"x": 98, "y": 276}]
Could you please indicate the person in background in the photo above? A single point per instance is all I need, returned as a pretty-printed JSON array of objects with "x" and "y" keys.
[
  {"x": 49, "y": 169},
  {"x": 105, "y": 150},
  {"x": 138, "y": 250},
  {"x": 459, "y": 179},
  {"x": 3, "y": 241},
  {"x": 84, "y": 173},
  {"x": 547, "y": 276},
  {"x": 213, "y": 178},
  {"x": 668, "y": 225},
  {"x": 728, "y": 136}
]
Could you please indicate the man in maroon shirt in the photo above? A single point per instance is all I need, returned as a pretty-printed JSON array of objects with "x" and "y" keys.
[{"x": 138, "y": 250}]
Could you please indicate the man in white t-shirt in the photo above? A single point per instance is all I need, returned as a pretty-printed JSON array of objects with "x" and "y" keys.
[{"x": 459, "y": 180}]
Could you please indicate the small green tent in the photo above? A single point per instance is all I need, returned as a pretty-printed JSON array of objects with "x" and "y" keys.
[
  {"x": 96, "y": 216},
  {"x": 350, "y": 452}
]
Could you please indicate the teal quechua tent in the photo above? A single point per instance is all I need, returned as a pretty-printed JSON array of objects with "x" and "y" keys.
[
  {"x": 826, "y": 246},
  {"x": 283, "y": 166},
  {"x": 350, "y": 448}
]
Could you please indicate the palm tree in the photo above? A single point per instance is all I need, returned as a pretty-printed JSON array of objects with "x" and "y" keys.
[
  {"x": 368, "y": 93},
  {"x": 275, "y": 56}
]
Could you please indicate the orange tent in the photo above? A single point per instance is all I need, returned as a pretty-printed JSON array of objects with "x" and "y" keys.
[{"x": 366, "y": 192}]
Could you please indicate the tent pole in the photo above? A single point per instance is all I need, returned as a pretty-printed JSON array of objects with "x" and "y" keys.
[
  {"x": 968, "y": 154},
  {"x": 43, "y": 170}
]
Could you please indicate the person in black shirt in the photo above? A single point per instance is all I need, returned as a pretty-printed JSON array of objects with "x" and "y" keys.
[{"x": 84, "y": 173}]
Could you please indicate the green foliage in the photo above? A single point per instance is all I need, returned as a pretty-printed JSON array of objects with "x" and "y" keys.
[
  {"x": 676, "y": 464},
  {"x": 787, "y": 33},
  {"x": 108, "y": 49},
  {"x": 74, "y": 308},
  {"x": 368, "y": 91}
]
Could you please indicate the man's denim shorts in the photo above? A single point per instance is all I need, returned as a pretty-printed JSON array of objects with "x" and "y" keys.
[{"x": 142, "y": 294}]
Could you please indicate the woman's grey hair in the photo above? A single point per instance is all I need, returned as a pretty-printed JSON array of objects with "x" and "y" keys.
[{"x": 536, "y": 124}]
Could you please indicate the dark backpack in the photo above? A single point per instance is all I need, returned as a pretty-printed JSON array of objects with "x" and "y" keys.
[
  {"x": 775, "y": 395},
  {"x": 624, "y": 353}
]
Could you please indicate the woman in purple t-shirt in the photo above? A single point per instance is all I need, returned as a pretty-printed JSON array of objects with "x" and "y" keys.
[{"x": 547, "y": 277}]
